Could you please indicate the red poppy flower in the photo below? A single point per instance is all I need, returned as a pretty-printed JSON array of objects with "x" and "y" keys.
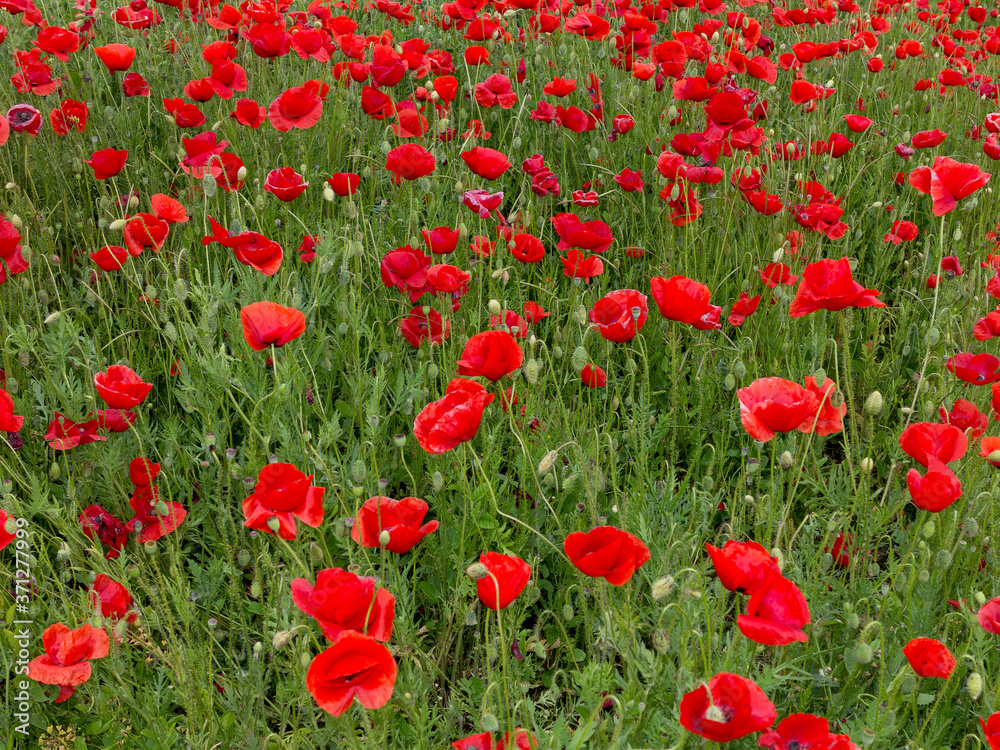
[
  {"x": 686, "y": 301},
  {"x": 774, "y": 274},
  {"x": 410, "y": 162},
  {"x": 902, "y": 231},
  {"x": 343, "y": 601},
  {"x": 925, "y": 440},
  {"x": 587, "y": 235},
  {"x": 857, "y": 123},
  {"x": 576, "y": 265},
  {"x": 929, "y": 658},
  {"x": 454, "y": 419},
  {"x": 488, "y": 163},
  {"x": 527, "y": 248},
  {"x": 134, "y": 84},
  {"x": 772, "y": 405},
  {"x": 250, "y": 248},
  {"x": 989, "y": 616},
  {"x": 828, "y": 285},
  {"x": 116, "y": 57},
  {"x": 120, "y": 388},
  {"x": 593, "y": 376},
  {"x": 64, "y": 434},
  {"x": 742, "y": 566},
  {"x": 9, "y": 422},
  {"x": 23, "y": 118},
  {"x": 114, "y": 420},
  {"x": 620, "y": 315},
  {"x": 991, "y": 728},
  {"x": 344, "y": 183},
  {"x": 728, "y": 708},
  {"x": 66, "y": 658},
  {"x": 419, "y": 326},
  {"x": 805, "y": 732},
  {"x": 534, "y": 312},
  {"x": 606, "y": 552},
  {"x": 109, "y": 530},
  {"x": 283, "y": 493},
  {"x": 928, "y": 138},
  {"x": 400, "y": 519},
  {"x": 830, "y": 417},
  {"x": 743, "y": 308},
  {"x": 947, "y": 182},
  {"x": 70, "y": 115},
  {"x": 508, "y": 575},
  {"x": 354, "y": 666},
  {"x": 8, "y": 529},
  {"x": 484, "y": 741},
  {"x": 776, "y": 613},
  {"x": 297, "y": 107},
  {"x": 496, "y": 90},
  {"x": 185, "y": 115},
  {"x": 114, "y": 600},
  {"x": 107, "y": 162},
  {"x": 989, "y": 448},
  {"x": 490, "y": 354},
  {"x": 285, "y": 184},
  {"x": 405, "y": 268},
  {"x": 966, "y": 416},
  {"x": 268, "y": 324},
  {"x": 937, "y": 489},
  {"x": 975, "y": 369}
]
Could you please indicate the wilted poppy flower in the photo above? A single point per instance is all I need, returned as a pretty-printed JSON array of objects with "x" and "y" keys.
[
  {"x": 342, "y": 601},
  {"x": 120, "y": 388},
  {"x": 929, "y": 658},
  {"x": 975, "y": 369},
  {"x": 107, "y": 162},
  {"x": 297, "y": 107},
  {"x": 23, "y": 118},
  {"x": 410, "y": 162},
  {"x": 283, "y": 493},
  {"x": 620, "y": 315},
  {"x": 112, "y": 598},
  {"x": 805, "y": 732},
  {"x": 728, "y": 708},
  {"x": 989, "y": 616},
  {"x": 606, "y": 552},
  {"x": 400, "y": 520},
  {"x": 947, "y": 182},
  {"x": 66, "y": 659},
  {"x": 64, "y": 434},
  {"x": 490, "y": 354},
  {"x": 344, "y": 183},
  {"x": 453, "y": 419},
  {"x": 116, "y": 57},
  {"x": 776, "y": 613},
  {"x": 109, "y": 530},
  {"x": 488, "y": 163},
  {"x": 507, "y": 577},
  {"x": 9, "y": 421},
  {"x": 285, "y": 184},
  {"x": 828, "y": 285},
  {"x": 925, "y": 440},
  {"x": 594, "y": 235},
  {"x": 267, "y": 324},
  {"x": 936, "y": 490},
  {"x": 742, "y": 566},
  {"x": 354, "y": 666},
  {"x": 772, "y": 405},
  {"x": 686, "y": 301},
  {"x": 966, "y": 416}
]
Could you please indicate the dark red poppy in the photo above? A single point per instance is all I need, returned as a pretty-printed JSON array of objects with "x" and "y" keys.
[
  {"x": 267, "y": 324},
  {"x": 420, "y": 326},
  {"x": 606, "y": 552},
  {"x": 400, "y": 520},
  {"x": 620, "y": 315},
  {"x": 95, "y": 522},
  {"x": 154, "y": 518},
  {"x": 686, "y": 301},
  {"x": 922, "y": 441},
  {"x": 453, "y": 419},
  {"x": 134, "y": 84},
  {"x": 828, "y": 285},
  {"x": 929, "y": 658},
  {"x": 282, "y": 494},
  {"x": 507, "y": 577},
  {"x": 354, "y": 666},
  {"x": 728, "y": 708},
  {"x": 112, "y": 598},
  {"x": 776, "y": 613},
  {"x": 342, "y": 601}
]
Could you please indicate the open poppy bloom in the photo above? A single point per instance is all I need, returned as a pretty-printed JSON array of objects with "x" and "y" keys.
[
  {"x": 490, "y": 354},
  {"x": 342, "y": 601},
  {"x": 488, "y": 163},
  {"x": 974, "y": 369},
  {"x": 727, "y": 708},
  {"x": 937, "y": 489},
  {"x": 620, "y": 314},
  {"x": 966, "y": 416},
  {"x": 686, "y": 301},
  {"x": 929, "y": 658},
  {"x": 830, "y": 418},
  {"x": 989, "y": 448},
  {"x": 9, "y": 422},
  {"x": 250, "y": 248},
  {"x": 64, "y": 434},
  {"x": 282, "y": 494},
  {"x": 776, "y": 613},
  {"x": 400, "y": 520},
  {"x": 828, "y": 285},
  {"x": 298, "y": 107},
  {"x": 95, "y": 522},
  {"x": 107, "y": 162},
  {"x": 66, "y": 659},
  {"x": 116, "y": 57},
  {"x": 285, "y": 184},
  {"x": 594, "y": 235},
  {"x": 113, "y": 599},
  {"x": 805, "y": 732},
  {"x": 988, "y": 616},
  {"x": 742, "y": 567},
  {"x": 947, "y": 182},
  {"x": 120, "y": 388},
  {"x": 355, "y": 666},
  {"x": 507, "y": 577},
  {"x": 772, "y": 405},
  {"x": 267, "y": 324},
  {"x": 606, "y": 552},
  {"x": 991, "y": 728},
  {"x": 453, "y": 419},
  {"x": 922, "y": 441},
  {"x": 409, "y": 162}
]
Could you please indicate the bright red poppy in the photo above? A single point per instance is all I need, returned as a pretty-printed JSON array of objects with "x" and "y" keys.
[
  {"x": 742, "y": 566},
  {"x": 267, "y": 324},
  {"x": 342, "y": 601},
  {"x": 776, "y": 613},
  {"x": 355, "y": 666},
  {"x": 606, "y": 552},
  {"x": 399, "y": 520},
  {"x": 922, "y": 441},
  {"x": 66, "y": 661},
  {"x": 507, "y": 576},
  {"x": 929, "y": 657},
  {"x": 282, "y": 494},
  {"x": 948, "y": 182},
  {"x": 107, "y": 162},
  {"x": 490, "y": 354},
  {"x": 727, "y": 708},
  {"x": 772, "y": 405},
  {"x": 686, "y": 301},
  {"x": 453, "y": 419},
  {"x": 828, "y": 285},
  {"x": 935, "y": 490},
  {"x": 297, "y": 107},
  {"x": 120, "y": 388},
  {"x": 620, "y": 315}
]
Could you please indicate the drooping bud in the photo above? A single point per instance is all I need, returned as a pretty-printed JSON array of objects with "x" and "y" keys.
[
  {"x": 662, "y": 587},
  {"x": 546, "y": 464}
]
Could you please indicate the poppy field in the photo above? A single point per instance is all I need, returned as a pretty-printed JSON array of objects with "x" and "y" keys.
[{"x": 495, "y": 374}]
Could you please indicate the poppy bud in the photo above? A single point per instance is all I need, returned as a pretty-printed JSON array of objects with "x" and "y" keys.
[
  {"x": 707, "y": 483},
  {"x": 557, "y": 352},
  {"x": 489, "y": 723},
  {"x": 546, "y": 464},
  {"x": 980, "y": 598},
  {"x": 255, "y": 589},
  {"x": 567, "y": 612},
  {"x": 970, "y": 528},
  {"x": 974, "y": 685},
  {"x": 531, "y": 372},
  {"x": 579, "y": 358},
  {"x": 853, "y": 621},
  {"x": 928, "y": 530},
  {"x": 432, "y": 370},
  {"x": 662, "y": 587},
  {"x": 273, "y": 524},
  {"x": 243, "y": 558},
  {"x": 863, "y": 653},
  {"x": 873, "y": 404},
  {"x": 208, "y": 185},
  {"x": 328, "y": 195},
  {"x": 539, "y": 649},
  {"x": 117, "y": 225},
  {"x": 383, "y": 538},
  {"x": 943, "y": 559},
  {"x": 908, "y": 684},
  {"x": 729, "y": 382},
  {"x": 867, "y": 465},
  {"x": 358, "y": 471},
  {"x": 437, "y": 481},
  {"x": 471, "y": 618},
  {"x": 661, "y": 641},
  {"x": 476, "y": 571},
  {"x": 54, "y": 471},
  {"x": 281, "y": 639},
  {"x": 924, "y": 576}
]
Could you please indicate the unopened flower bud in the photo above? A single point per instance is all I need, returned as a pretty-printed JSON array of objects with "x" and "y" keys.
[
  {"x": 662, "y": 587},
  {"x": 273, "y": 524},
  {"x": 546, "y": 464},
  {"x": 531, "y": 371},
  {"x": 383, "y": 538},
  {"x": 928, "y": 529},
  {"x": 787, "y": 461},
  {"x": 117, "y": 225},
  {"x": 476, "y": 571},
  {"x": 437, "y": 481},
  {"x": 863, "y": 653},
  {"x": 281, "y": 639},
  {"x": 867, "y": 465},
  {"x": 579, "y": 358},
  {"x": 873, "y": 404},
  {"x": 974, "y": 686},
  {"x": 489, "y": 723}
]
